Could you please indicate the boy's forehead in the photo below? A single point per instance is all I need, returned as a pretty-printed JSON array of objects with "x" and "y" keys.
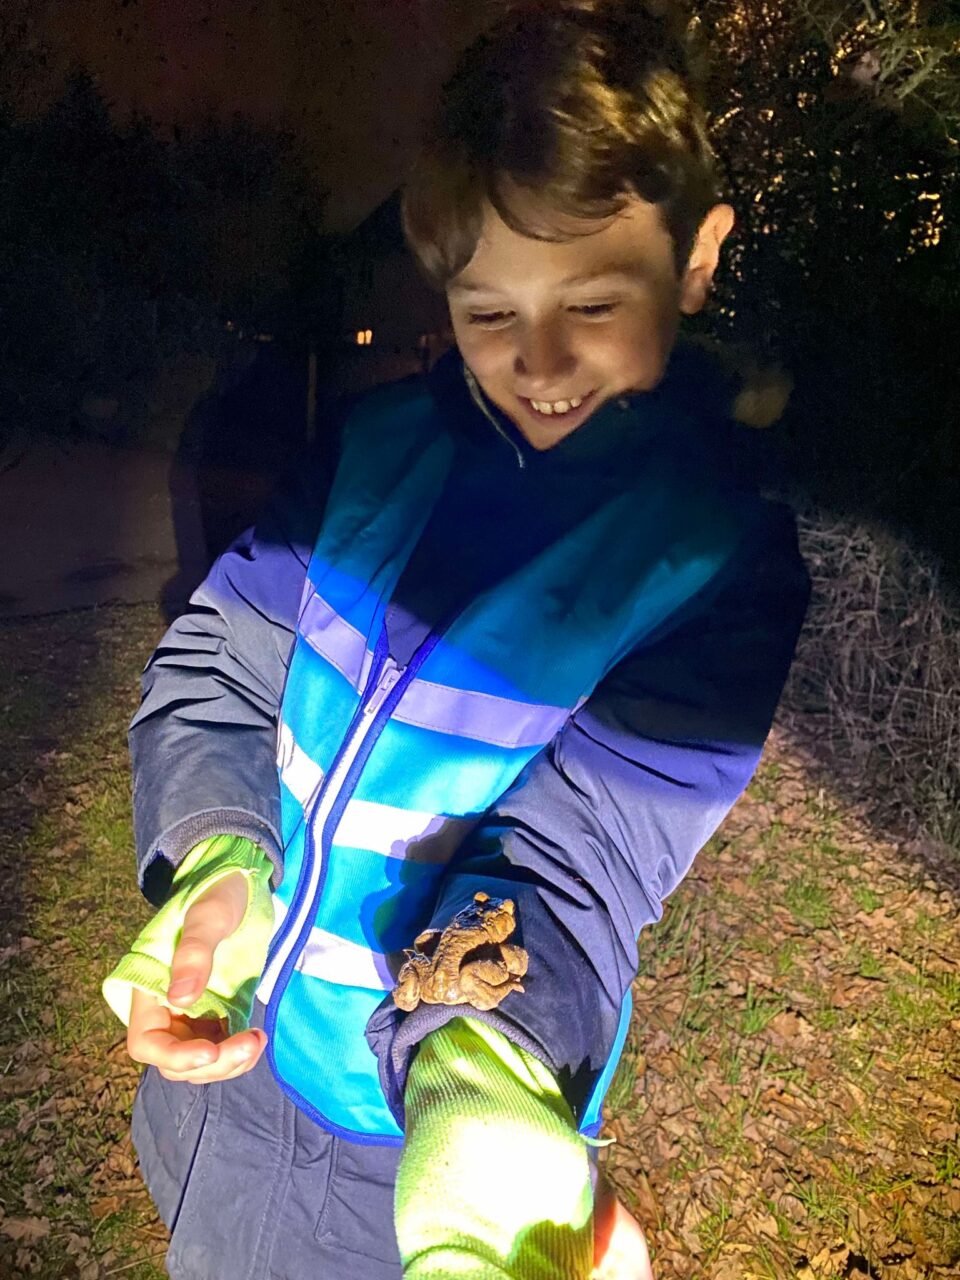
[{"x": 633, "y": 242}]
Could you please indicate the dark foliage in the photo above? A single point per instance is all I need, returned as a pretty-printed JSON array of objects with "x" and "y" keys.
[
  {"x": 120, "y": 247},
  {"x": 846, "y": 266}
]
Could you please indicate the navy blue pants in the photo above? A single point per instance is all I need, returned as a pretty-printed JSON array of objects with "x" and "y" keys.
[{"x": 252, "y": 1189}]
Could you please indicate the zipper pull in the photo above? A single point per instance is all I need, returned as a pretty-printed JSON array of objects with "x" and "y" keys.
[{"x": 391, "y": 674}]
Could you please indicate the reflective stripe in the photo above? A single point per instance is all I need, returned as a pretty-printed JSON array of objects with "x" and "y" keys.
[
  {"x": 336, "y": 640},
  {"x": 401, "y": 833},
  {"x": 486, "y": 717},
  {"x": 503, "y": 722},
  {"x": 335, "y": 960},
  {"x": 344, "y": 963},
  {"x": 381, "y": 828},
  {"x": 301, "y": 775},
  {"x": 305, "y": 596}
]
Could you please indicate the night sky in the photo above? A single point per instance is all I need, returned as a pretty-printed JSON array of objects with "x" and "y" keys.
[{"x": 351, "y": 77}]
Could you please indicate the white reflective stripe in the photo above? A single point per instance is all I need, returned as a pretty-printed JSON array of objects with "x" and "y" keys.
[
  {"x": 345, "y": 963},
  {"x": 305, "y": 595},
  {"x": 401, "y": 833},
  {"x": 269, "y": 978},
  {"x": 381, "y": 828},
  {"x": 301, "y": 775},
  {"x": 335, "y": 960},
  {"x": 343, "y": 646},
  {"x": 485, "y": 717},
  {"x": 468, "y": 713}
]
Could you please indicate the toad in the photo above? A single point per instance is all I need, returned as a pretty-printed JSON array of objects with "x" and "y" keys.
[{"x": 469, "y": 962}]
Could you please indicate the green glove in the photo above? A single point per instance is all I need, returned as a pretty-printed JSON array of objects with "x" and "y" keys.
[
  {"x": 238, "y": 961},
  {"x": 494, "y": 1180}
]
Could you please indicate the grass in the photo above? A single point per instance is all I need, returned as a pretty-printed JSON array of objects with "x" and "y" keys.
[
  {"x": 712, "y": 1229},
  {"x": 822, "y": 1201},
  {"x": 785, "y": 940},
  {"x": 867, "y": 899},
  {"x": 758, "y": 1012},
  {"x": 65, "y": 1165},
  {"x": 946, "y": 1162},
  {"x": 809, "y": 900}
]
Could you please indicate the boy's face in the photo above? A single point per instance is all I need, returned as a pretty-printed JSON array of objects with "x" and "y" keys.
[{"x": 542, "y": 324}]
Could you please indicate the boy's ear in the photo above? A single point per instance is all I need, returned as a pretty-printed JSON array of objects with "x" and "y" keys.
[{"x": 704, "y": 256}]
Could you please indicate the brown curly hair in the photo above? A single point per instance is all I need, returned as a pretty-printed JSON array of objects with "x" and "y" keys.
[{"x": 578, "y": 103}]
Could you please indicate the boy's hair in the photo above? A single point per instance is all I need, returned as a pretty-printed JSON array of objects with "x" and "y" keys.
[{"x": 578, "y": 103}]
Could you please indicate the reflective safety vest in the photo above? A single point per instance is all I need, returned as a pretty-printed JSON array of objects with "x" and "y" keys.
[{"x": 383, "y": 770}]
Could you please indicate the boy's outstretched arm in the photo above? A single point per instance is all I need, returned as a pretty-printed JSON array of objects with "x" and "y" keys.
[
  {"x": 494, "y": 1181},
  {"x": 604, "y": 823}
]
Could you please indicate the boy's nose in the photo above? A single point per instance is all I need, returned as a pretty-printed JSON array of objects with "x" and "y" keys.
[{"x": 542, "y": 363}]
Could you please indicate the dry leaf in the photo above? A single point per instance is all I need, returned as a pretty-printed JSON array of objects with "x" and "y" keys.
[
  {"x": 25, "y": 1230},
  {"x": 106, "y": 1205}
]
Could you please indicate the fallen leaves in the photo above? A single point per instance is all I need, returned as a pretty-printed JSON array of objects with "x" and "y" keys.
[
  {"x": 75, "y": 1208},
  {"x": 25, "y": 1230},
  {"x": 818, "y": 1139}
]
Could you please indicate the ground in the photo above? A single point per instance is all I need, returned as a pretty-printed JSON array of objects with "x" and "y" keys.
[{"x": 789, "y": 1100}]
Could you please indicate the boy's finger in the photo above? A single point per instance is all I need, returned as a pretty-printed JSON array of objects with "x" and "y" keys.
[
  {"x": 193, "y": 960},
  {"x": 156, "y": 1039},
  {"x": 620, "y": 1247},
  {"x": 213, "y": 917},
  {"x": 238, "y": 1055}
]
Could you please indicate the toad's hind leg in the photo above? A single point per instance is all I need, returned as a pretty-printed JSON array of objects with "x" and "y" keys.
[{"x": 484, "y": 983}]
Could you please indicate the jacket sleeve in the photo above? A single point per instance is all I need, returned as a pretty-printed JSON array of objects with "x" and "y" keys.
[
  {"x": 203, "y": 742},
  {"x": 604, "y": 823}
]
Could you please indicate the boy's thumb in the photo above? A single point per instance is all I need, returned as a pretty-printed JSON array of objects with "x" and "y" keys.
[
  {"x": 191, "y": 964},
  {"x": 214, "y": 915}
]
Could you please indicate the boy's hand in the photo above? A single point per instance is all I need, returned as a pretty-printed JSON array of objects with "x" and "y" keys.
[
  {"x": 183, "y": 1048},
  {"x": 619, "y": 1245}
]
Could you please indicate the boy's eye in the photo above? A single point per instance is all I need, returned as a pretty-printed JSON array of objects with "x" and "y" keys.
[{"x": 497, "y": 317}]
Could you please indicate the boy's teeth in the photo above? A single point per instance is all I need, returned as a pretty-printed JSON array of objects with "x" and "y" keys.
[{"x": 558, "y": 406}]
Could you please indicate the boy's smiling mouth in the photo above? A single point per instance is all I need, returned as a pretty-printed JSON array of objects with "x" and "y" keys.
[{"x": 559, "y": 410}]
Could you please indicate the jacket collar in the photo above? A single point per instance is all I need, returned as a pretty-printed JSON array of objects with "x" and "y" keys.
[{"x": 687, "y": 389}]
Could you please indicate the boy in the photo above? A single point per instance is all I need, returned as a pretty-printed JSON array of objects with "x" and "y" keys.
[{"x": 520, "y": 659}]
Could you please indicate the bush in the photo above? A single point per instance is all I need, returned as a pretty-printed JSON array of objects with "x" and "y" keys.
[{"x": 876, "y": 673}]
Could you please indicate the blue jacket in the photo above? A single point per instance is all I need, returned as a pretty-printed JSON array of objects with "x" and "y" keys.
[{"x": 660, "y": 633}]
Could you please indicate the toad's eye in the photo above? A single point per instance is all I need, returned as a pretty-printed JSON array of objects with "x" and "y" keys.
[
  {"x": 596, "y": 309},
  {"x": 489, "y": 317}
]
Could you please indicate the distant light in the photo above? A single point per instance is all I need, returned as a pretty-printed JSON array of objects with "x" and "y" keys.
[{"x": 364, "y": 337}]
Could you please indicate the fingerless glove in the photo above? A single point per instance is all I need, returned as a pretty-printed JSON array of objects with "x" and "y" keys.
[
  {"x": 494, "y": 1180},
  {"x": 239, "y": 959}
]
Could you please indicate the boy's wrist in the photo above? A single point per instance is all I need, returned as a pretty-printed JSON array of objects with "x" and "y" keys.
[{"x": 220, "y": 855}]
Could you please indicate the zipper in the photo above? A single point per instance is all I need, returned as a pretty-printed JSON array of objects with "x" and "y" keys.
[
  {"x": 378, "y": 702},
  {"x": 329, "y": 793},
  {"x": 480, "y": 402},
  {"x": 389, "y": 676}
]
